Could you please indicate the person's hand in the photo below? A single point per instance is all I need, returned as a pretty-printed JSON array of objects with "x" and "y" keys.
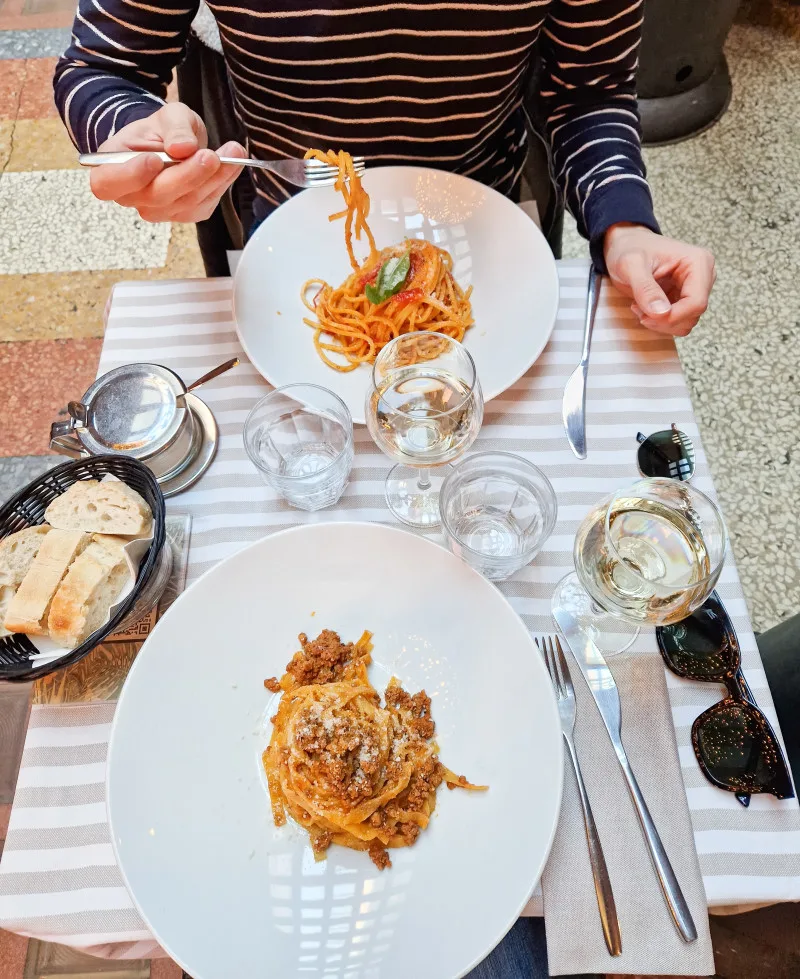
[
  {"x": 184, "y": 192},
  {"x": 669, "y": 281}
]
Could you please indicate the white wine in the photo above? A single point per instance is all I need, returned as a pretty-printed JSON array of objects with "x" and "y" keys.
[
  {"x": 423, "y": 415},
  {"x": 645, "y": 567}
]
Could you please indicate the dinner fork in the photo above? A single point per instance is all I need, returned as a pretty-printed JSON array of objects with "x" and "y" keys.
[
  {"x": 565, "y": 695},
  {"x": 301, "y": 173}
]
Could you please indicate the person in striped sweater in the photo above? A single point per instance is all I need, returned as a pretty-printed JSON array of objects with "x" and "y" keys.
[
  {"x": 417, "y": 82},
  {"x": 426, "y": 82}
]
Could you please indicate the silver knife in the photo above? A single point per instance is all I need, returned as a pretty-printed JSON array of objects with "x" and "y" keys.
[
  {"x": 606, "y": 696},
  {"x": 573, "y": 407}
]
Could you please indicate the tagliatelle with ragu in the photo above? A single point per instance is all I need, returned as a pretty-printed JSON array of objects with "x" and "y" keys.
[
  {"x": 405, "y": 288},
  {"x": 348, "y": 769}
]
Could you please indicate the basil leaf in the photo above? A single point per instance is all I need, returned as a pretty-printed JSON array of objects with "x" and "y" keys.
[{"x": 391, "y": 279}]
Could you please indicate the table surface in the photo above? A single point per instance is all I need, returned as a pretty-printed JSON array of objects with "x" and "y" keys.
[{"x": 58, "y": 878}]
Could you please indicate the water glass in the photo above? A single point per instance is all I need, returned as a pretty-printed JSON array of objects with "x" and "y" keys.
[
  {"x": 497, "y": 510},
  {"x": 300, "y": 438}
]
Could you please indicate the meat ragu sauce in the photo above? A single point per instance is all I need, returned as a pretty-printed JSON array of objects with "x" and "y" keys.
[{"x": 373, "y": 790}]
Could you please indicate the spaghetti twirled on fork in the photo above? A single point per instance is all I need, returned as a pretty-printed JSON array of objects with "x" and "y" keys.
[{"x": 346, "y": 322}]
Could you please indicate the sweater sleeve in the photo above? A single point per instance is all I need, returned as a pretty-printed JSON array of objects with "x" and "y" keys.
[
  {"x": 590, "y": 54},
  {"x": 118, "y": 65}
]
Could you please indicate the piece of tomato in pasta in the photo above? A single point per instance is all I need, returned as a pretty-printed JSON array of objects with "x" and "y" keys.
[{"x": 350, "y": 330}]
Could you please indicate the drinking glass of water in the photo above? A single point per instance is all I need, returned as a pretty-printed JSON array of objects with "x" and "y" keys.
[
  {"x": 424, "y": 409},
  {"x": 497, "y": 510},
  {"x": 300, "y": 438},
  {"x": 650, "y": 553}
]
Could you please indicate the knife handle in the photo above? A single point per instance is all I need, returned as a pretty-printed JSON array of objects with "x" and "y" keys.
[
  {"x": 670, "y": 887},
  {"x": 592, "y": 299}
]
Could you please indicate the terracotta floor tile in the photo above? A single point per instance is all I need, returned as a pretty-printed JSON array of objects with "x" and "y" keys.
[
  {"x": 41, "y": 144},
  {"x": 61, "y": 305},
  {"x": 164, "y": 969},
  {"x": 36, "y": 98},
  {"x": 37, "y": 379},
  {"x": 13, "y": 949},
  {"x": 11, "y": 8},
  {"x": 12, "y": 72}
]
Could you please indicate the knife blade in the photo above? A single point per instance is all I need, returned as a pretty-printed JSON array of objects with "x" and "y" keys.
[
  {"x": 604, "y": 690},
  {"x": 573, "y": 406}
]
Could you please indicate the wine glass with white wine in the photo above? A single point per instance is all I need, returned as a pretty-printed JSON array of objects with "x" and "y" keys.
[
  {"x": 424, "y": 409},
  {"x": 650, "y": 553}
]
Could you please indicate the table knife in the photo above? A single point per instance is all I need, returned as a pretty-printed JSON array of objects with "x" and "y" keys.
[
  {"x": 573, "y": 407},
  {"x": 604, "y": 690}
]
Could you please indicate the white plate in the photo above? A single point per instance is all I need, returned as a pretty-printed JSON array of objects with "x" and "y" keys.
[
  {"x": 230, "y": 896},
  {"x": 495, "y": 246}
]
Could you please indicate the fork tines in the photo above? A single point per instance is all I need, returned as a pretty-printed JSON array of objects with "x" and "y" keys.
[
  {"x": 317, "y": 171},
  {"x": 556, "y": 665}
]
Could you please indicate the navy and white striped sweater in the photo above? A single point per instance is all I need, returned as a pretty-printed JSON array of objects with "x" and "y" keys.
[{"x": 420, "y": 82}]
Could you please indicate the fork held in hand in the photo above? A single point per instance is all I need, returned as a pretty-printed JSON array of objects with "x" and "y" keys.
[
  {"x": 565, "y": 694},
  {"x": 301, "y": 173}
]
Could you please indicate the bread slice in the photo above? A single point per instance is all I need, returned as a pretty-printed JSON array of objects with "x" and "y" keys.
[
  {"x": 17, "y": 551},
  {"x": 91, "y": 586},
  {"x": 6, "y": 594},
  {"x": 29, "y": 607},
  {"x": 107, "y": 507}
]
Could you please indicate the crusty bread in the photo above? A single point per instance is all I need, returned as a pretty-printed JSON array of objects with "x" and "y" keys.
[
  {"x": 16, "y": 553},
  {"x": 6, "y": 594},
  {"x": 27, "y": 611},
  {"x": 107, "y": 507},
  {"x": 91, "y": 586}
]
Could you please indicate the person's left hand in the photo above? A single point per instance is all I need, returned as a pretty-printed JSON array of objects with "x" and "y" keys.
[{"x": 669, "y": 281}]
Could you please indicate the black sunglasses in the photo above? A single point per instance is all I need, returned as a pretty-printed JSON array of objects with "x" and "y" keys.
[
  {"x": 735, "y": 745},
  {"x": 667, "y": 455}
]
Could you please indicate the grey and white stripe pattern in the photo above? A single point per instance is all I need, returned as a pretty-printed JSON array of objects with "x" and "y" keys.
[{"x": 58, "y": 880}]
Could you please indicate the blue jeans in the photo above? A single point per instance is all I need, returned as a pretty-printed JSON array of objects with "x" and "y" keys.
[{"x": 522, "y": 954}]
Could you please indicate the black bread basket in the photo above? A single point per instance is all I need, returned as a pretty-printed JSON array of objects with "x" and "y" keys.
[{"x": 26, "y": 509}]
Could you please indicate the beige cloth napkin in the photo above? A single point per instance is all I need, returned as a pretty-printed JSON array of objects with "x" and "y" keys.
[{"x": 650, "y": 943}]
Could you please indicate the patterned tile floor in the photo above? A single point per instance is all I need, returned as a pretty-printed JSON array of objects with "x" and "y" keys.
[
  {"x": 51, "y": 331},
  {"x": 734, "y": 188}
]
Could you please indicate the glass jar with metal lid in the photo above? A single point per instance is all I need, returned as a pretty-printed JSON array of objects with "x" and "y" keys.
[{"x": 139, "y": 411}]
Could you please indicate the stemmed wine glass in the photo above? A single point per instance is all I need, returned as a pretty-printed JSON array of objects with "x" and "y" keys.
[
  {"x": 650, "y": 553},
  {"x": 424, "y": 409}
]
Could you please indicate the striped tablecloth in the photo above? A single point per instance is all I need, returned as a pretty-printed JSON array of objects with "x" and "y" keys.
[{"x": 58, "y": 878}]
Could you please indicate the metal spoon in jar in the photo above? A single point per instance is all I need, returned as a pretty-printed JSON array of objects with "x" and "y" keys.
[
  {"x": 80, "y": 413},
  {"x": 228, "y": 365}
]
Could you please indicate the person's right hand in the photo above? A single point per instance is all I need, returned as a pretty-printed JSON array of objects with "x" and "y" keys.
[{"x": 184, "y": 192}]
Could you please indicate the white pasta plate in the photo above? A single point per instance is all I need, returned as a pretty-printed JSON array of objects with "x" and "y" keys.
[
  {"x": 496, "y": 248},
  {"x": 225, "y": 892}
]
